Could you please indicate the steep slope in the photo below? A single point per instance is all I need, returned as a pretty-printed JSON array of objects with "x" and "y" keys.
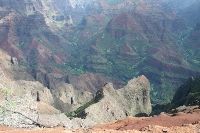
[
  {"x": 28, "y": 104},
  {"x": 178, "y": 5},
  {"x": 60, "y": 93},
  {"x": 191, "y": 14},
  {"x": 141, "y": 41},
  {"x": 32, "y": 31},
  {"x": 110, "y": 104},
  {"x": 187, "y": 94},
  {"x": 191, "y": 44},
  {"x": 119, "y": 39},
  {"x": 35, "y": 44},
  {"x": 18, "y": 105}
]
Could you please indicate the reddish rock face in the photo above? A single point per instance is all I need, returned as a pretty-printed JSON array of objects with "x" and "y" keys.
[
  {"x": 92, "y": 82},
  {"x": 120, "y": 39}
]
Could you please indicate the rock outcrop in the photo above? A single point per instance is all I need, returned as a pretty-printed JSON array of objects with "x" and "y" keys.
[
  {"x": 25, "y": 112},
  {"x": 131, "y": 100},
  {"x": 28, "y": 104},
  {"x": 67, "y": 98},
  {"x": 70, "y": 92},
  {"x": 187, "y": 94},
  {"x": 18, "y": 105}
]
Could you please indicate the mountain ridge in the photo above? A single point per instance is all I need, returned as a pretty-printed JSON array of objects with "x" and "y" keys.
[{"x": 72, "y": 37}]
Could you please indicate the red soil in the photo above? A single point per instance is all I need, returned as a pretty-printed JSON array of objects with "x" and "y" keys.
[
  {"x": 161, "y": 120},
  {"x": 179, "y": 123}
]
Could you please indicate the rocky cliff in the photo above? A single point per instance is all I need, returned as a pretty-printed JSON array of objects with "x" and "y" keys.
[
  {"x": 187, "y": 94},
  {"x": 70, "y": 92},
  {"x": 19, "y": 97},
  {"x": 15, "y": 80},
  {"x": 27, "y": 104},
  {"x": 110, "y": 104},
  {"x": 119, "y": 39}
]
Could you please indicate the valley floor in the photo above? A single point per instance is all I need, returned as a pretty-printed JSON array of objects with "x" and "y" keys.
[{"x": 181, "y": 122}]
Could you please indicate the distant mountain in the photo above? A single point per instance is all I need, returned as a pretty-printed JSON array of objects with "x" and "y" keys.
[
  {"x": 191, "y": 44},
  {"x": 191, "y": 14},
  {"x": 179, "y": 4},
  {"x": 118, "y": 39},
  {"x": 142, "y": 40}
]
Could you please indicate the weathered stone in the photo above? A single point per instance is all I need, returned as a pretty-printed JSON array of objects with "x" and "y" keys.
[
  {"x": 19, "y": 112},
  {"x": 22, "y": 101},
  {"x": 131, "y": 100},
  {"x": 14, "y": 61}
]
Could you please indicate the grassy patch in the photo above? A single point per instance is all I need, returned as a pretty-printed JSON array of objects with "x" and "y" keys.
[{"x": 80, "y": 112}]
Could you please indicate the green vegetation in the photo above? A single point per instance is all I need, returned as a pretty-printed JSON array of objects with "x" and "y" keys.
[
  {"x": 22, "y": 44},
  {"x": 114, "y": 2},
  {"x": 136, "y": 2},
  {"x": 22, "y": 63},
  {"x": 99, "y": 49},
  {"x": 5, "y": 91},
  {"x": 74, "y": 70},
  {"x": 188, "y": 93},
  {"x": 108, "y": 58},
  {"x": 80, "y": 112},
  {"x": 9, "y": 103},
  {"x": 2, "y": 108}
]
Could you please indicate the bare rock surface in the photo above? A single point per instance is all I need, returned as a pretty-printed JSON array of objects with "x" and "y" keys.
[
  {"x": 185, "y": 123},
  {"x": 25, "y": 112},
  {"x": 185, "y": 109},
  {"x": 18, "y": 112},
  {"x": 67, "y": 98},
  {"x": 131, "y": 100},
  {"x": 44, "y": 108},
  {"x": 28, "y": 104}
]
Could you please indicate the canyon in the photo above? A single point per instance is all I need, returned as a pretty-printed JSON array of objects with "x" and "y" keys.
[
  {"x": 119, "y": 40},
  {"x": 82, "y": 63}
]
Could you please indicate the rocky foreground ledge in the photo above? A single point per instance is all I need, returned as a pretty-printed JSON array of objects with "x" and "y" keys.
[
  {"x": 23, "y": 111},
  {"x": 180, "y": 122}
]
